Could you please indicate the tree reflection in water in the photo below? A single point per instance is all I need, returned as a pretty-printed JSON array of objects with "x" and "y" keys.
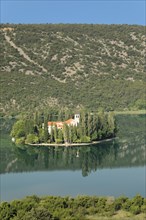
[{"x": 127, "y": 150}]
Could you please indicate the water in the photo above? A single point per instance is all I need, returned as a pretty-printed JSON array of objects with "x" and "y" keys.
[{"x": 112, "y": 168}]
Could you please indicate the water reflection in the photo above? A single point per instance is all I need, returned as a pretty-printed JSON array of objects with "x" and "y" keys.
[{"x": 125, "y": 151}]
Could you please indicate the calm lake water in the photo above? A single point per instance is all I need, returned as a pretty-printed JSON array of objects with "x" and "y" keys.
[{"x": 113, "y": 168}]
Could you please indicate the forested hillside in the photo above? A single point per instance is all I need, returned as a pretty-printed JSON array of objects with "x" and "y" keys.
[{"x": 71, "y": 66}]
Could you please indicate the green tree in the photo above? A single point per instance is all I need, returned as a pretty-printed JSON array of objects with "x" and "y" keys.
[
  {"x": 70, "y": 136},
  {"x": 95, "y": 127},
  {"x": 46, "y": 134},
  {"x": 18, "y": 129},
  {"x": 29, "y": 126},
  {"x": 74, "y": 134},
  {"x": 90, "y": 124},
  {"x": 52, "y": 138},
  {"x": 55, "y": 132},
  {"x": 41, "y": 135},
  {"x": 31, "y": 139},
  {"x": 111, "y": 125},
  {"x": 140, "y": 104},
  {"x": 60, "y": 136},
  {"x": 66, "y": 132},
  {"x": 36, "y": 119},
  {"x": 103, "y": 124}
]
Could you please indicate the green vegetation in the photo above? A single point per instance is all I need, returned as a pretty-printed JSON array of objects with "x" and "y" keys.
[
  {"x": 92, "y": 127},
  {"x": 135, "y": 112},
  {"x": 67, "y": 208},
  {"x": 124, "y": 151},
  {"x": 72, "y": 66}
]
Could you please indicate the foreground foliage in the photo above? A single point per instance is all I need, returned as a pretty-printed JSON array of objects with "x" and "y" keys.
[{"x": 79, "y": 208}]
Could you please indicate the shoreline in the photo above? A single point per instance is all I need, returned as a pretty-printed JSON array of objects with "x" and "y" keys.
[
  {"x": 72, "y": 144},
  {"x": 132, "y": 112},
  {"x": 124, "y": 112}
]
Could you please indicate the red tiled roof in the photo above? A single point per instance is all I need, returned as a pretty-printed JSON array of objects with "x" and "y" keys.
[
  {"x": 69, "y": 121},
  {"x": 55, "y": 123},
  {"x": 60, "y": 123}
]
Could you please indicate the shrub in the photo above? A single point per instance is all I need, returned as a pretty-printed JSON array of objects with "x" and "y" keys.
[
  {"x": 119, "y": 203},
  {"x": 85, "y": 139},
  {"x": 126, "y": 206},
  {"x": 78, "y": 141},
  {"x": 135, "y": 209},
  {"x": 31, "y": 139},
  {"x": 138, "y": 200},
  {"x": 58, "y": 141},
  {"x": 20, "y": 140}
]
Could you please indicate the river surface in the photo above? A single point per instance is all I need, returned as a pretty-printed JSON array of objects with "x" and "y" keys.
[{"x": 113, "y": 168}]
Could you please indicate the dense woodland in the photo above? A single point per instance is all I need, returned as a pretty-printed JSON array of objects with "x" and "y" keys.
[
  {"x": 92, "y": 127},
  {"x": 78, "y": 208},
  {"x": 72, "y": 66}
]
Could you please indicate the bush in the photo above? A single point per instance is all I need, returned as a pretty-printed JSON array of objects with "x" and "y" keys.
[
  {"x": 58, "y": 141},
  {"x": 31, "y": 139},
  {"x": 78, "y": 141},
  {"x": 57, "y": 208},
  {"x": 143, "y": 208},
  {"x": 18, "y": 129},
  {"x": 117, "y": 206},
  {"x": 119, "y": 203},
  {"x": 126, "y": 206},
  {"x": 85, "y": 139},
  {"x": 135, "y": 210},
  {"x": 20, "y": 140},
  {"x": 138, "y": 200}
]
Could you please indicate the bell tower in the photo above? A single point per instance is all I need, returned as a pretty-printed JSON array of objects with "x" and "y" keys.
[{"x": 77, "y": 118}]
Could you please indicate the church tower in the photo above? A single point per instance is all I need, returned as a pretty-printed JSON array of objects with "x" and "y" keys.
[{"x": 77, "y": 118}]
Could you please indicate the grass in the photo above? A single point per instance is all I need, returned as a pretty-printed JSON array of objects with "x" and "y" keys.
[
  {"x": 132, "y": 112},
  {"x": 123, "y": 215}
]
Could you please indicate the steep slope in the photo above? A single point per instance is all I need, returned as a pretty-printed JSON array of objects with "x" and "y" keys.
[{"x": 71, "y": 65}]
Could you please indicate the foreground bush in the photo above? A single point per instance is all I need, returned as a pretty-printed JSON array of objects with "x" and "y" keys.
[{"x": 59, "y": 208}]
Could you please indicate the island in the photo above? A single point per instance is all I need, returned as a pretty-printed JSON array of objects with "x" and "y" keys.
[{"x": 80, "y": 129}]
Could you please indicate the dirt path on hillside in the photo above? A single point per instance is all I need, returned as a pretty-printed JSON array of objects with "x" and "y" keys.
[{"x": 22, "y": 53}]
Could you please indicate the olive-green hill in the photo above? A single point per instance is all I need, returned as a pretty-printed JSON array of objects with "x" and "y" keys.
[{"x": 71, "y": 65}]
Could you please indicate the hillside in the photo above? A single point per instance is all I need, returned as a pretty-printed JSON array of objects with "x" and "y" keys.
[{"x": 73, "y": 66}]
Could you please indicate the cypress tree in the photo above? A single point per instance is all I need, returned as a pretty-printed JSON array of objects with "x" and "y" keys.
[
  {"x": 66, "y": 132},
  {"x": 70, "y": 128},
  {"x": 55, "y": 133},
  {"x": 60, "y": 135},
  {"x": 111, "y": 125},
  {"x": 95, "y": 130},
  {"x": 102, "y": 124},
  {"x": 74, "y": 134},
  {"x": 90, "y": 125},
  {"x": 46, "y": 134},
  {"x": 36, "y": 118},
  {"x": 52, "y": 139},
  {"x": 29, "y": 126}
]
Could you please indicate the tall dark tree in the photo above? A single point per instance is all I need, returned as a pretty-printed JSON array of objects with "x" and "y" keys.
[
  {"x": 60, "y": 135},
  {"x": 111, "y": 125},
  {"x": 55, "y": 132},
  {"x": 29, "y": 126},
  {"x": 95, "y": 128},
  {"x": 90, "y": 124},
  {"x": 74, "y": 134},
  {"x": 66, "y": 132},
  {"x": 52, "y": 138},
  {"x": 46, "y": 134},
  {"x": 36, "y": 118}
]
